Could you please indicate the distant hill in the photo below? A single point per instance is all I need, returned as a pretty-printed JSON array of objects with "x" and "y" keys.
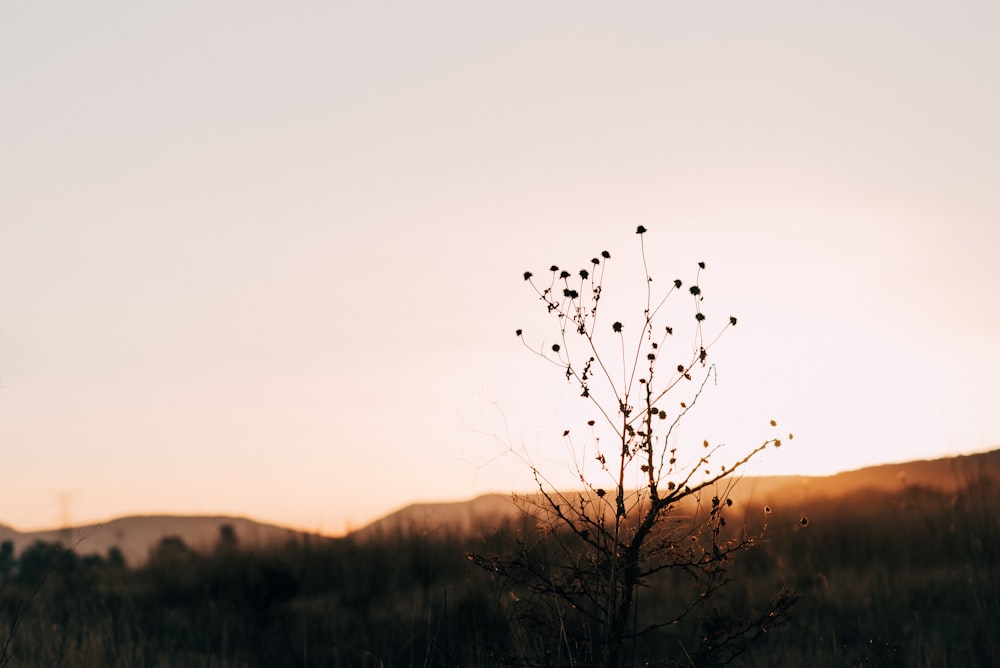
[
  {"x": 946, "y": 474},
  {"x": 446, "y": 517},
  {"x": 136, "y": 536}
]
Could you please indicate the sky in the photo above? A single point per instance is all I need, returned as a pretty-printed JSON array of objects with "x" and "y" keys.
[{"x": 266, "y": 260}]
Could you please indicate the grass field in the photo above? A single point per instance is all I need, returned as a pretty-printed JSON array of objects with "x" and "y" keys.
[{"x": 909, "y": 578}]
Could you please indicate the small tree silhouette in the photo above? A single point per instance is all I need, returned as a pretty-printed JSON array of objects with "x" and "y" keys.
[
  {"x": 228, "y": 541},
  {"x": 638, "y": 520},
  {"x": 7, "y": 561}
]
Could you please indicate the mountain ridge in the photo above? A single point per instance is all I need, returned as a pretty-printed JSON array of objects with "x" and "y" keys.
[
  {"x": 136, "y": 536},
  {"x": 946, "y": 474}
]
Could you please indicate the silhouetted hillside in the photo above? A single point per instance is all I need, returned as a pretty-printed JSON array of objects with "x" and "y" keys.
[
  {"x": 459, "y": 517},
  {"x": 945, "y": 474},
  {"x": 136, "y": 536}
]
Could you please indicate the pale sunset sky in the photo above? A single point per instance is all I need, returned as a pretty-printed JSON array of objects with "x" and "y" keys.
[{"x": 265, "y": 259}]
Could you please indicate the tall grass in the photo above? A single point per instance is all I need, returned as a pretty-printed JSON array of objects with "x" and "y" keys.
[{"x": 886, "y": 579}]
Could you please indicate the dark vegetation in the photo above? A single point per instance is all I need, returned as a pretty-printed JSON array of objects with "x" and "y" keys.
[{"x": 903, "y": 578}]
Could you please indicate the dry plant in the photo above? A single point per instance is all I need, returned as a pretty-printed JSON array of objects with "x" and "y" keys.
[{"x": 648, "y": 516}]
